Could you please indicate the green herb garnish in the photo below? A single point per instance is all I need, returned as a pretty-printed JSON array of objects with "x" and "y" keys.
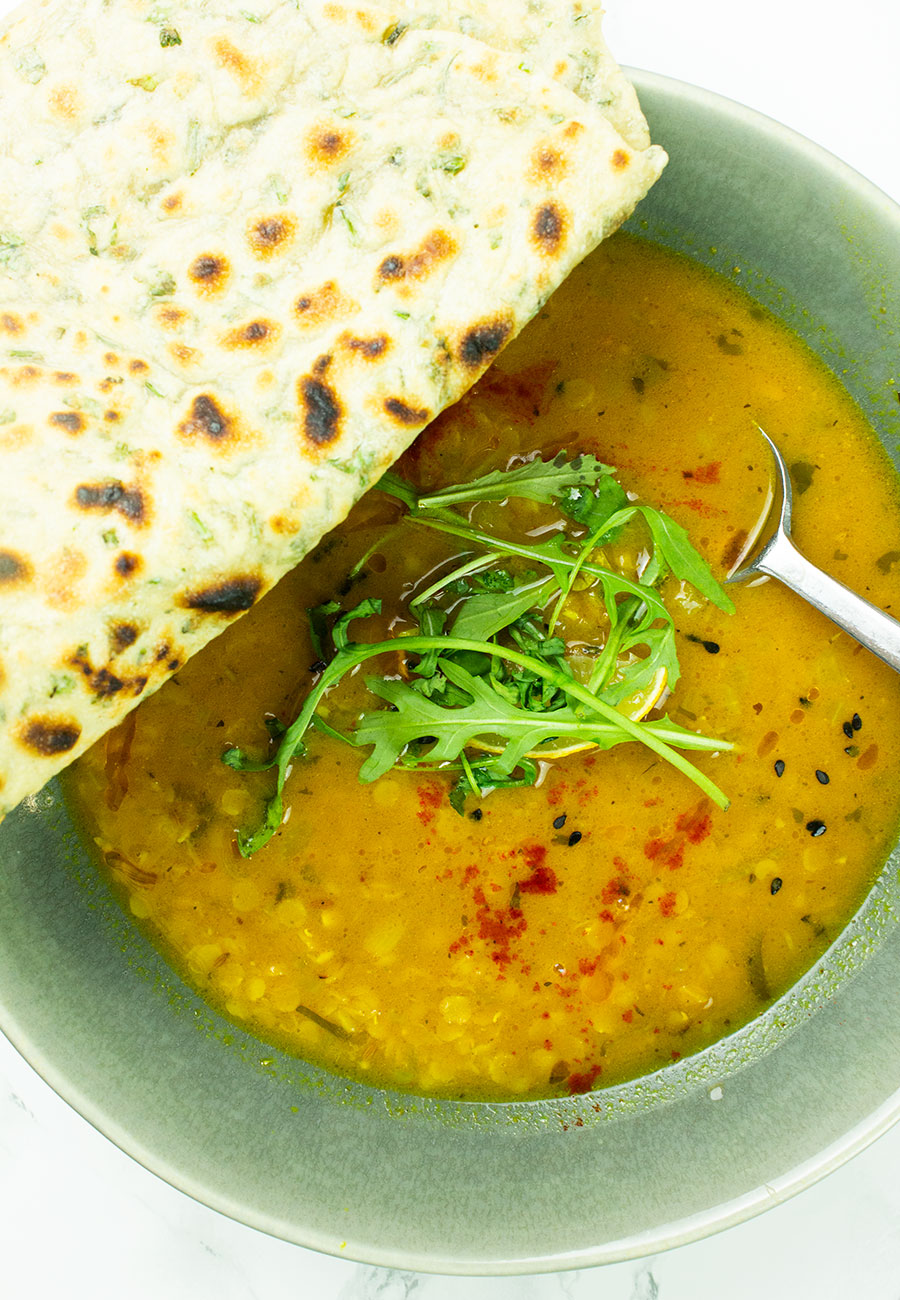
[
  {"x": 487, "y": 687},
  {"x": 534, "y": 480},
  {"x": 148, "y": 83}
]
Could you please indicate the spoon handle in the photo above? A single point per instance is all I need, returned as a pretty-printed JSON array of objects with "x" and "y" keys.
[{"x": 870, "y": 625}]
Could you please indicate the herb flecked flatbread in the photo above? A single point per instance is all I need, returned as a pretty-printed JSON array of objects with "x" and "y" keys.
[
  {"x": 246, "y": 256},
  {"x": 562, "y": 39}
]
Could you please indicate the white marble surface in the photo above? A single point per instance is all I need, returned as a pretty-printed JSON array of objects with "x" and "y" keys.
[{"x": 79, "y": 1219}]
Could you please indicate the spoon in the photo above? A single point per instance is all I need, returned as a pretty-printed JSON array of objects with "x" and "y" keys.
[{"x": 779, "y": 558}]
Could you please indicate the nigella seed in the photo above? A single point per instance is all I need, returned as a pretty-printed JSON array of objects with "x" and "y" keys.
[
  {"x": 822, "y": 777},
  {"x": 848, "y": 730},
  {"x": 559, "y": 822},
  {"x": 476, "y": 814},
  {"x": 574, "y": 838},
  {"x": 776, "y": 884},
  {"x": 711, "y": 647},
  {"x": 816, "y": 828},
  {"x": 779, "y": 767},
  {"x": 856, "y": 722},
  {"x": 318, "y": 667}
]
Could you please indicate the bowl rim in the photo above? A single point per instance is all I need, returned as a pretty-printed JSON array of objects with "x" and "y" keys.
[{"x": 665, "y": 1236}]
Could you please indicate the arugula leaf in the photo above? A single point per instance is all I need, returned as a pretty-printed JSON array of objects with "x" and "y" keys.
[
  {"x": 457, "y": 574},
  {"x": 488, "y": 716},
  {"x": 580, "y": 561},
  {"x": 634, "y": 627},
  {"x": 394, "y": 486},
  {"x": 672, "y": 541},
  {"x": 593, "y": 508},
  {"x": 482, "y": 779},
  {"x": 487, "y": 613},
  {"x": 466, "y": 784},
  {"x": 319, "y": 724},
  {"x": 557, "y": 558},
  {"x": 535, "y": 480},
  {"x": 488, "y": 778},
  {"x": 240, "y": 761},
  {"x": 416, "y": 716},
  {"x": 371, "y": 605},
  {"x": 466, "y": 691},
  {"x": 495, "y": 580},
  {"x": 317, "y": 617},
  {"x": 431, "y": 623},
  {"x": 532, "y": 638},
  {"x": 586, "y": 491},
  {"x": 660, "y": 641}
]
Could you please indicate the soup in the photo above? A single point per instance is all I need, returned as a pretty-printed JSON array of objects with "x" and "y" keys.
[{"x": 611, "y": 917}]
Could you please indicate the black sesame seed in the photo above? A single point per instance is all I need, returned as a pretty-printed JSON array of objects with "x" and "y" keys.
[
  {"x": 574, "y": 838},
  {"x": 822, "y": 777},
  {"x": 776, "y": 884},
  {"x": 559, "y": 822},
  {"x": 816, "y": 828},
  {"x": 856, "y": 722},
  {"x": 476, "y": 814},
  {"x": 711, "y": 647},
  {"x": 779, "y": 767},
  {"x": 848, "y": 730}
]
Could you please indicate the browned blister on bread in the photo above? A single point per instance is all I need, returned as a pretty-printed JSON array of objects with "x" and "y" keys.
[{"x": 244, "y": 262}]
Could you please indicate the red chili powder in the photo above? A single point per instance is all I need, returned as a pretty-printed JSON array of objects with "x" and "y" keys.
[
  {"x": 615, "y": 888},
  {"x": 704, "y": 473},
  {"x": 696, "y": 824},
  {"x": 431, "y": 795},
  {"x": 541, "y": 881},
  {"x": 501, "y": 929},
  {"x": 583, "y": 1082},
  {"x": 669, "y": 852}
]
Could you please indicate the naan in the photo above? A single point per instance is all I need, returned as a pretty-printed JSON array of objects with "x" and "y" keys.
[{"x": 245, "y": 257}]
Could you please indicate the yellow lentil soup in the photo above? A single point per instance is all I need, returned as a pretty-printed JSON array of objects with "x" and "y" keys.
[{"x": 610, "y": 919}]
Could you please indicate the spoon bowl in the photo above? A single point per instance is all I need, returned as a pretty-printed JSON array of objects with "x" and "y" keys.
[{"x": 779, "y": 558}]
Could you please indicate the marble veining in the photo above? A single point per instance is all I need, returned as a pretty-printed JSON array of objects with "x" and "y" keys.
[{"x": 80, "y": 1220}]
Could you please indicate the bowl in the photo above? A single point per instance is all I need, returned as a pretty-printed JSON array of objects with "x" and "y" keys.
[{"x": 484, "y": 1188}]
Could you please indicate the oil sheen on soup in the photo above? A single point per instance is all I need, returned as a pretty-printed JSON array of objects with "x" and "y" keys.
[{"x": 610, "y": 919}]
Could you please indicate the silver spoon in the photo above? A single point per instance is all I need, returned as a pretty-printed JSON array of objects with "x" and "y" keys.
[{"x": 779, "y": 558}]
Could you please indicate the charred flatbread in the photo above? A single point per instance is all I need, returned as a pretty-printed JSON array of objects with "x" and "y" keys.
[{"x": 246, "y": 257}]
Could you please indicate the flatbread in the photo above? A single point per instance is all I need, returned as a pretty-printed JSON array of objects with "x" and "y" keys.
[
  {"x": 562, "y": 39},
  {"x": 246, "y": 257}
]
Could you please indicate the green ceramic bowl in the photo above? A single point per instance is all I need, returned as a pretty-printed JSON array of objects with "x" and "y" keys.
[{"x": 528, "y": 1186}]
